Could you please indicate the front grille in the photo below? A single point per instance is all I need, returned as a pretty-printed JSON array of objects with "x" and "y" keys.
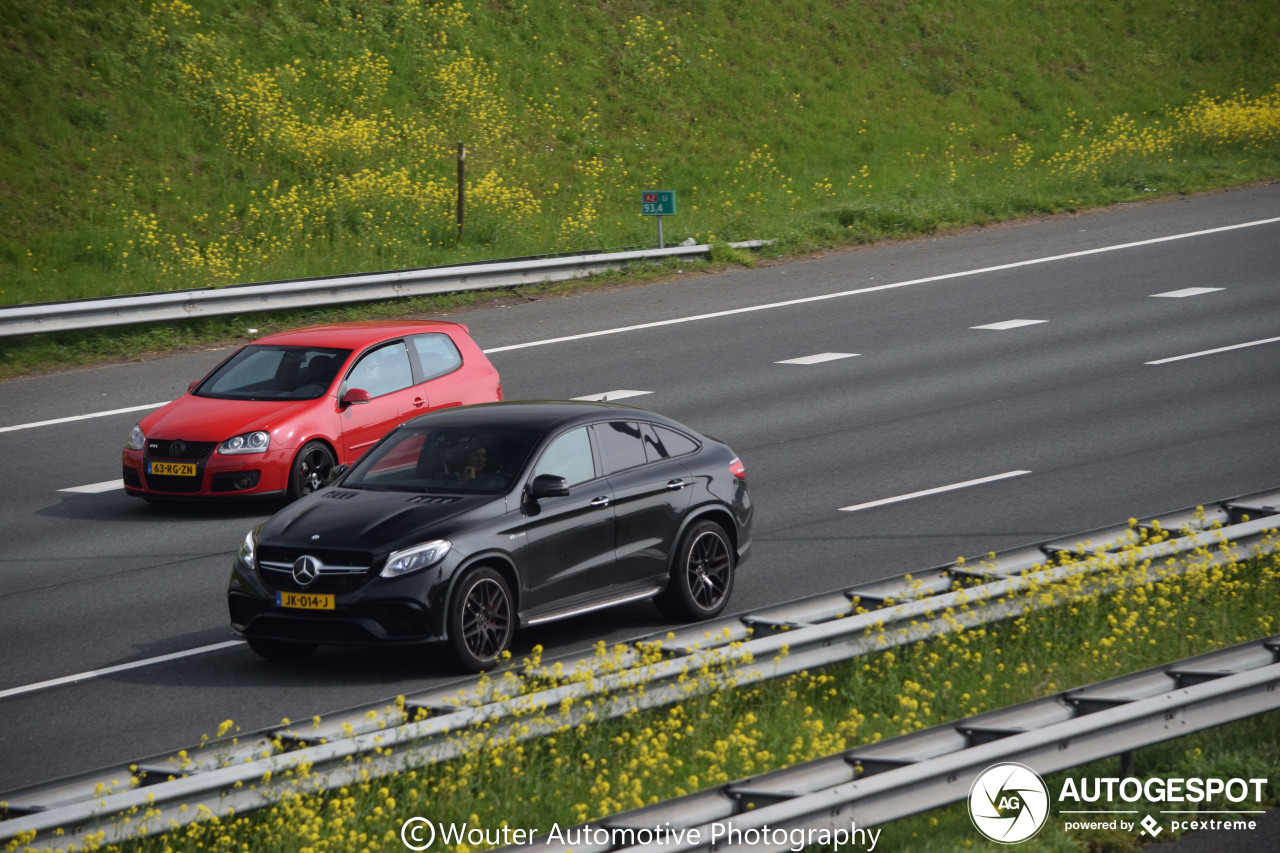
[
  {"x": 160, "y": 483},
  {"x": 281, "y": 578},
  {"x": 162, "y": 448},
  {"x": 131, "y": 477},
  {"x": 328, "y": 556}
]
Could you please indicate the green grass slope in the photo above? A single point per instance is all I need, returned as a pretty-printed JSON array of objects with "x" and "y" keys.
[{"x": 163, "y": 145}]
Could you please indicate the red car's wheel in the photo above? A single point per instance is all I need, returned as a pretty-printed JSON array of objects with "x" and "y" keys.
[{"x": 310, "y": 470}]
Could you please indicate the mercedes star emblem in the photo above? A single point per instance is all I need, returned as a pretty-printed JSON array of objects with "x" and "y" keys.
[{"x": 306, "y": 569}]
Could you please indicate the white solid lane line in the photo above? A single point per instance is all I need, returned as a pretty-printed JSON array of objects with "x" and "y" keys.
[
  {"x": 819, "y": 358},
  {"x": 610, "y": 396},
  {"x": 1187, "y": 291},
  {"x": 964, "y": 485},
  {"x": 1213, "y": 351},
  {"x": 95, "y": 488},
  {"x": 1009, "y": 324},
  {"x": 83, "y": 417},
  {"x": 95, "y": 673},
  {"x": 787, "y": 303},
  {"x": 878, "y": 287}
]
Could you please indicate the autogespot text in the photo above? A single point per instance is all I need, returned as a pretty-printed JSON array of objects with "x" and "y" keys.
[{"x": 420, "y": 833}]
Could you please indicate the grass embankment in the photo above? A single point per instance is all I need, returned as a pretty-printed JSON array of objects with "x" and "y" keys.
[
  {"x": 165, "y": 145},
  {"x": 1077, "y": 635}
]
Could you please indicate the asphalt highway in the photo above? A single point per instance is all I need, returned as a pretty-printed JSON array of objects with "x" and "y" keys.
[{"x": 895, "y": 406}]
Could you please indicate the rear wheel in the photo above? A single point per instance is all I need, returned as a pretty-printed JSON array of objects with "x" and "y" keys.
[
  {"x": 702, "y": 577},
  {"x": 481, "y": 619},
  {"x": 310, "y": 470},
  {"x": 281, "y": 649}
]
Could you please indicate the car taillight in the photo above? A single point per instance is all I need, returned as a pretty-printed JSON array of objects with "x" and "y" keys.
[{"x": 737, "y": 469}]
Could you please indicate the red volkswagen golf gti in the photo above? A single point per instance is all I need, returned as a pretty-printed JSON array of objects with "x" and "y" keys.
[{"x": 275, "y": 416}]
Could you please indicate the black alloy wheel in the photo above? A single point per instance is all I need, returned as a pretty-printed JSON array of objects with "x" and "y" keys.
[
  {"x": 481, "y": 619},
  {"x": 285, "y": 650},
  {"x": 702, "y": 577},
  {"x": 310, "y": 471}
]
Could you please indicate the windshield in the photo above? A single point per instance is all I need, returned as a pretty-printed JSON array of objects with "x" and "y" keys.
[
  {"x": 454, "y": 460},
  {"x": 275, "y": 373}
]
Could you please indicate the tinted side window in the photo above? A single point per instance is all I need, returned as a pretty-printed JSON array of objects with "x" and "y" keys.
[
  {"x": 663, "y": 443},
  {"x": 382, "y": 371},
  {"x": 436, "y": 354},
  {"x": 621, "y": 444},
  {"x": 569, "y": 456}
]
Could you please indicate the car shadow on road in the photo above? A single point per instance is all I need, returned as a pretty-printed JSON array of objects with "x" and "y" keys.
[
  {"x": 393, "y": 668},
  {"x": 117, "y": 506}
]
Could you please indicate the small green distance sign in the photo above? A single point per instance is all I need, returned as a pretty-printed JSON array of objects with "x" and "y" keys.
[{"x": 658, "y": 202}]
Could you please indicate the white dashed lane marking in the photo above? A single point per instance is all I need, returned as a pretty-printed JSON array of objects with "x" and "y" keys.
[
  {"x": 819, "y": 358},
  {"x": 95, "y": 488},
  {"x": 1009, "y": 324},
  {"x": 966, "y": 484},
  {"x": 1187, "y": 291},
  {"x": 610, "y": 396}
]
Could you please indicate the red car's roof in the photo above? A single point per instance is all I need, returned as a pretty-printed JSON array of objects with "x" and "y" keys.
[{"x": 356, "y": 335}]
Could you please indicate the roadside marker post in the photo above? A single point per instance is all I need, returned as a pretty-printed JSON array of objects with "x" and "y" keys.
[{"x": 658, "y": 203}]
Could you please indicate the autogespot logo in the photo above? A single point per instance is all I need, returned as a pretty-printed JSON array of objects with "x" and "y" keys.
[{"x": 1008, "y": 803}]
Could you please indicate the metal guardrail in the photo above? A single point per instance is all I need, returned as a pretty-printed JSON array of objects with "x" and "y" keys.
[
  {"x": 873, "y": 785},
  {"x": 329, "y": 290},
  {"x": 424, "y": 728}
]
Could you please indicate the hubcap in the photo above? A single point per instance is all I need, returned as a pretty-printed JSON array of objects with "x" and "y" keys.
[
  {"x": 708, "y": 570},
  {"x": 312, "y": 469}
]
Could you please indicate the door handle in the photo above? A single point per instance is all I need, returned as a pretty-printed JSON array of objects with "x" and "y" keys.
[
  {"x": 600, "y": 502},
  {"x": 676, "y": 484},
  {"x": 418, "y": 402}
]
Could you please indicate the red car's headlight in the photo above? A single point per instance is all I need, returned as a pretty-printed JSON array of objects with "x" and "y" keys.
[{"x": 251, "y": 442}]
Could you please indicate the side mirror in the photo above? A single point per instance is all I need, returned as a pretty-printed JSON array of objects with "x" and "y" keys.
[
  {"x": 355, "y": 397},
  {"x": 337, "y": 471},
  {"x": 192, "y": 386},
  {"x": 548, "y": 486}
]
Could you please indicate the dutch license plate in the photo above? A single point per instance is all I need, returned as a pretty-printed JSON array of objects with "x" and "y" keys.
[
  {"x": 172, "y": 469},
  {"x": 305, "y": 600}
]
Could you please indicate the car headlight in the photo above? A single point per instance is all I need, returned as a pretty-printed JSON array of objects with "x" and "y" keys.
[
  {"x": 137, "y": 438},
  {"x": 249, "y": 549},
  {"x": 417, "y": 557},
  {"x": 250, "y": 442}
]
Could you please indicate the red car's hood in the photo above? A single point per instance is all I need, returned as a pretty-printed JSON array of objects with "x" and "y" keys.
[{"x": 192, "y": 418}]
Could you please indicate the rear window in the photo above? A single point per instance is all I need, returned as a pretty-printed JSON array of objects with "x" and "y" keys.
[
  {"x": 663, "y": 443},
  {"x": 274, "y": 373}
]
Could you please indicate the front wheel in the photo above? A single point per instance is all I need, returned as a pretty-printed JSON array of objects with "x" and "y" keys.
[
  {"x": 702, "y": 577},
  {"x": 310, "y": 470},
  {"x": 481, "y": 619}
]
